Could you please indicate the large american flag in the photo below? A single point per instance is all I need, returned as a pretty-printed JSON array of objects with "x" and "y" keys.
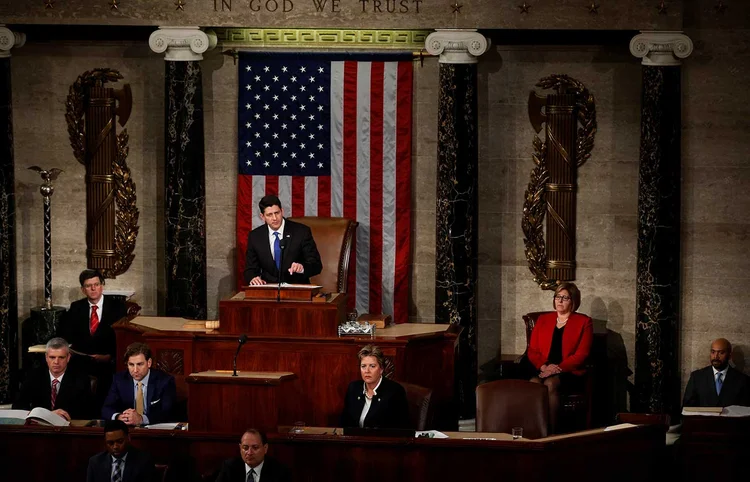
[{"x": 331, "y": 136}]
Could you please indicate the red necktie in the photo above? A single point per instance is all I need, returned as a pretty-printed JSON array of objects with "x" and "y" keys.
[
  {"x": 94, "y": 323},
  {"x": 53, "y": 394}
]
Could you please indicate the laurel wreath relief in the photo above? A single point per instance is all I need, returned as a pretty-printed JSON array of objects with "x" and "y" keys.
[{"x": 126, "y": 214}]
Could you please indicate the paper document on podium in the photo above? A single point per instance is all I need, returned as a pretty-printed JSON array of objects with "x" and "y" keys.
[
  {"x": 43, "y": 349},
  {"x": 702, "y": 411},
  {"x": 285, "y": 285}
]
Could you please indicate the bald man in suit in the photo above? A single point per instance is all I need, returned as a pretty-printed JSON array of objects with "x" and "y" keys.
[{"x": 718, "y": 385}]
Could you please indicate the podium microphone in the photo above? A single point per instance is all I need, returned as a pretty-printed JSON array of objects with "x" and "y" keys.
[
  {"x": 241, "y": 341},
  {"x": 282, "y": 245}
]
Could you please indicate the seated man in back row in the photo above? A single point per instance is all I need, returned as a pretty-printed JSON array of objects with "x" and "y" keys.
[
  {"x": 140, "y": 395},
  {"x": 280, "y": 250},
  {"x": 55, "y": 387},
  {"x": 87, "y": 326},
  {"x": 718, "y": 385}
]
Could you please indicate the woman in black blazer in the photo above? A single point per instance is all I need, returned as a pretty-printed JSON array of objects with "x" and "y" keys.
[{"x": 378, "y": 402}]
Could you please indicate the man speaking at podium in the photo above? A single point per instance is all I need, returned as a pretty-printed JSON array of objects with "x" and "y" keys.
[{"x": 280, "y": 247}]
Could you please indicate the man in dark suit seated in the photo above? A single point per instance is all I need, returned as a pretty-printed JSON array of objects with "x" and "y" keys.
[
  {"x": 253, "y": 465},
  {"x": 65, "y": 392},
  {"x": 718, "y": 385},
  {"x": 121, "y": 462},
  {"x": 87, "y": 326},
  {"x": 280, "y": 250},
  {"x": 140, "y": 395}
]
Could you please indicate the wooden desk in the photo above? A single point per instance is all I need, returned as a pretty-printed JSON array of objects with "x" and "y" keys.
[
  {"x": 220, "y": 402},
  {"x": 422, "y": 354},
  {"x": 595, "y": 455},
  {"x": 713, "y": 448},
  {"x": 293, "y": 318}
]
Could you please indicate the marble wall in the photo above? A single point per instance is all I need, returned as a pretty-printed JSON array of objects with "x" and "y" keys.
[{"x": 716, "y": 189}]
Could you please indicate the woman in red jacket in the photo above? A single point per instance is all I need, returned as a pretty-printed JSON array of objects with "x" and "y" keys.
[{"x": 560, "y": 344}]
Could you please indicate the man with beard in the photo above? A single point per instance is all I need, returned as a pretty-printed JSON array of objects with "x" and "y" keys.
[{"x": 718, "y": 385}]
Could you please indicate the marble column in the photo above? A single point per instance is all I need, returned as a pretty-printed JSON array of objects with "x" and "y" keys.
[
  {"x": 184, "y": 158},
  {"x": 8, "y": 288},
  {"x": 457, "y": 199},
  {"x": 657, "y": 331}
]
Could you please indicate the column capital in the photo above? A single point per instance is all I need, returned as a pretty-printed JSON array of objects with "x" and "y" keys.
[
  {"x": 182, "y": 44},
  {"x": 661, "y": 48},
  {"x": 10, "y": 39},
  {"x": 457, "y": 45}
]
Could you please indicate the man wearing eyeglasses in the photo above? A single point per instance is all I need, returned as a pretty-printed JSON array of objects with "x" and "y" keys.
[{"x": 87, "y": 326}]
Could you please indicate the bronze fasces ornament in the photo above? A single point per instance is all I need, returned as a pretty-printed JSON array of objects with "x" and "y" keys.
[
  {"x": 92, "y": 111},
  {"x": 569, "y": 120}
]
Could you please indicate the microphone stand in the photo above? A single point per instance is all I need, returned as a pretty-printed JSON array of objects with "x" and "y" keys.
[
  {"x": 241, "y": 341},
  {"x": 282, "y": 245}
]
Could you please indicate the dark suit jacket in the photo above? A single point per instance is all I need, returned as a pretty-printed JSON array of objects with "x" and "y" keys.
[
  {"x": 233, "y": 470},
  {"x": 160, "y": 396},
  {"x": 74, "y": 327},
  {"x": 139, "y": 467},
  {"x": 576, "y": 342},
  {"x": 701, "y": 389},
  {"x": 300, "y": 248},
  {"x": 389, "y": 408},
  {"x": 74, "y": 395}
]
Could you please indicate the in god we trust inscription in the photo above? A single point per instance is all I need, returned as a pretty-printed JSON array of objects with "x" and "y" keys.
[{"x": 320, "y": 6}]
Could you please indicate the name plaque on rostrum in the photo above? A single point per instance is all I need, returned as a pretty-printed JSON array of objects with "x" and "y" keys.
[{"x": 287, "y": 292}]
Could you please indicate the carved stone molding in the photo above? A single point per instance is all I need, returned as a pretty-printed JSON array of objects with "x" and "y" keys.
[
  {"x": 457, "y": 46},
  {"x": 182, "y": 44},
  {"x": 10, "y": 39},
  {"x": 661, "y": 49}
]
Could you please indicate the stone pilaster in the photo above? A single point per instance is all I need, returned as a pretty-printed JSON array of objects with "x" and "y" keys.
[
  {"x": 185, "y": 197},
  {"x": 8, "y": 288},
  {"x": 657, "y": 333},
  {"x": 457, "y": 199}
]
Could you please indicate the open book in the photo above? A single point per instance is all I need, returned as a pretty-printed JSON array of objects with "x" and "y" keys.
[{"x": 39, "y": 415}]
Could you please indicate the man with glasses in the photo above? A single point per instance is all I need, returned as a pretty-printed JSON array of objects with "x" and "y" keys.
[
  {"x": 253, "y": 465},
  {"x": 87, "y": 326},
  {"x": 718, "y": 385},
  {"x": 121, "y": 462}
]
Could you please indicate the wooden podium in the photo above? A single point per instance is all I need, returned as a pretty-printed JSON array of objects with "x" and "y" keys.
[
  {"x": 220, "y": 402},
  {"x": 287, "y": 292},
  {"x": 292, "y": 317}
]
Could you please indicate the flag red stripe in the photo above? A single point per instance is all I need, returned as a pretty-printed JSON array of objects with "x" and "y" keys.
[
  {"x": 298, "y": 195},
  {"x": 245, "y": 214},
  {"x": 403, "y": 192},
  {"x": 376, "y": 187},
  {"x": 324, "y": 196},
  {"x": 272, "y": 185}
]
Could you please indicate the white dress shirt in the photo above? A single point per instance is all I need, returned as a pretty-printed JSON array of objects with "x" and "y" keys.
[
  {"x": 59, "y": 379},
  {"x": 368, "y": 401},
  {"x": 256, "y": 469},
  {"x": 100, "y": 308}
]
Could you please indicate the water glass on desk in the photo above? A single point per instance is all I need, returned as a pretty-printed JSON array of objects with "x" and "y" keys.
[
  {"x": 516, "y": 432},
  {"x": 299, "y": 427}
]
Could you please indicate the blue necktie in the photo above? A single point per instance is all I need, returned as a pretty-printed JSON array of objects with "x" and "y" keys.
[
  {"x": 718, "y": 383},
  {"x": 277, "y": 250}
]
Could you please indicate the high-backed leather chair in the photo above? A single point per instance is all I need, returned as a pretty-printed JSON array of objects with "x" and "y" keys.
[
  {"x": 576, "y": 404},
  {"x": 334, "y": 238},
  {"x": 418, "y": 398},
  {"x": 504, "y": 404}
]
